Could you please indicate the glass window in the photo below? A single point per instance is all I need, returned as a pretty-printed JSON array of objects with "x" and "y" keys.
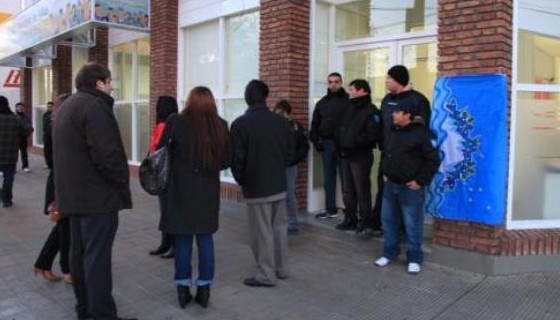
[
  {"x": 123, "y": 113},
  {"x": 371, "y": 65},
  {"x": 121, "y": 71},
  {"x": 373, "y": 18},
  {"x": 536, "y": 161},
  {"x": 321, "y": 49},
  {"x": 131, "y": 81},
  {"x": 143, "y": 78},
  {"x": 202, "y": 56},
  {"x": 421, "y": 61},
  {"x": 242, "y": 51},
  {"x": 538, "y": 58},
  {"x": 143, "y": 131},
  {"x": 79, "y": 59},
  {"x": 42, "y": 86}
]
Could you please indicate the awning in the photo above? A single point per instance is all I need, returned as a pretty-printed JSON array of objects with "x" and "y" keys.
[{"x": 50, "y": 22}]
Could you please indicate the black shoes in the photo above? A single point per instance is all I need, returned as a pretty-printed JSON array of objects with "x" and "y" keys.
[
  {"x": 202, "y": 295},
  {"x": 252, "y": 282},
  {"x": 8, "y": 204},
  {"x": 184, "y": 296},
  {"x": 160, "y": 250},
  {"x": 347, "y": 225}
]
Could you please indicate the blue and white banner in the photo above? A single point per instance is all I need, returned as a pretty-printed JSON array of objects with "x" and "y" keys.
[{"x": 469, "y": 117}]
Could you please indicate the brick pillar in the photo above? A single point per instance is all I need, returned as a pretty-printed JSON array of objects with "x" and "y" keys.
[
  {"x": 62, "y": 71},
  {"x": 26, "y": 86},
  {"x": 284, "y": 64},
  {"x": 100, "y": 53},
  {"x": 163, "y": 51}
]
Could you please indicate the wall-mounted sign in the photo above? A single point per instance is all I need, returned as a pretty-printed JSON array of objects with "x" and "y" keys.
[{"x": 48, "y": 20}]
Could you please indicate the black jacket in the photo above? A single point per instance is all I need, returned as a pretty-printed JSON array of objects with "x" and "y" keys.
[
  {"x": 191, "y": 201},
  {"x": 90, "y": 164},
  {"x": 300, "y": 142},
  {"x": 47, "y": 139},
  {"x": 327, "y": 116},
  {"x": 12, "y": 132},
  {"x": 409, "y": 155},
  {"x": 360, "y": 128},
  {"x": 411, "y": 98},
  {"x": 262, "y": 149}
]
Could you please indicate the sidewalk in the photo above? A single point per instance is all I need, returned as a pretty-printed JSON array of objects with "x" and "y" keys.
[{"x": 332, "y": 275}]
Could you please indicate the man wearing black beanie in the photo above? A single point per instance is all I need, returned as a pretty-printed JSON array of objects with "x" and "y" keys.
[{"x": 400, "y": 93}]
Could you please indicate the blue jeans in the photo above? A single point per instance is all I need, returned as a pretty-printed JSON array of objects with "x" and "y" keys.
[
  {"x": 8, "y": 172},
  {"x": 183, "y": 254},
  {"x": 411, "y": 203},
  {"x": 291, "y": 200},
  {"x": 330, "y": 163}
]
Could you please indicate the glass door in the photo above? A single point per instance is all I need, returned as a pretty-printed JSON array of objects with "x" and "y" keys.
[{"x": 370, "y": 62}]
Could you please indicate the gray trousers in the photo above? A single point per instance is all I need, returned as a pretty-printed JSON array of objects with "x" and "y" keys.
[{"x": 267, "y": 237}]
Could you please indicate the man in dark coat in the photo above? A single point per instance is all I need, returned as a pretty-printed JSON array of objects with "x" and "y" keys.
[
  {"x": 12, "y": 132},
  {"x": 324, "y": 126},
  {"x": 359, "y": 132},
  {"x": 47, "y": 135},
  {"x": 92, "y": 185},
  {"x": 20, "y": 112},
  {"x": 262, "y": 149}
]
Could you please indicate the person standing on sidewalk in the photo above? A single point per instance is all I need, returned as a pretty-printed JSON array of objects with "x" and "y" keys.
[
  {"x": 324, "y": 126},
  {"x": 400, "y": 92},
  {"x": 20, "y": 111},
  {"x": 165, "y": 107},
  {"x": 59, "y": 237},
  {"x": 359, "y": 132},
  {"x": 92, "y": 185},
  {"x": 284, "y": 108},
  {"x": 12, "y": 132},
  {"x": 262, "y": 149},
  {"x": 409, "y": 162}
]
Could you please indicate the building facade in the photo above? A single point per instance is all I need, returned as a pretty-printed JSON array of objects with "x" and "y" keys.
[{"x": 293, "y": 44}]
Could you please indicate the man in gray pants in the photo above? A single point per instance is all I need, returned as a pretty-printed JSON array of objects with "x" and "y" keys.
[{"x": 261, "y": 151}]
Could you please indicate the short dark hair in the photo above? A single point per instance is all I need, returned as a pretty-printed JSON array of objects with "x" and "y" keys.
[
  {"x": 284, "y": 105},
  {"x": 4, "y": 106},
  {"x": 335, "y": 74},
  {"x": 49, "y": 102},
  {"x": 256, "y": 92},
  {"x": 19, "y": 104},
  {"x": 90, "y": 73},
  {"x": 361, "y": 84},
  {"x": 165, "y": 106}
]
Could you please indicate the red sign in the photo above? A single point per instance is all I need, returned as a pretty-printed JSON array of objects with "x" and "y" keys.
[{"x": 12, "y": 80}]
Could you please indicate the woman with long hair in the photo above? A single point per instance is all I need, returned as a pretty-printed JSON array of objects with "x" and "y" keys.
[
  {"x": 166, "y": 106},
  {"x": 59, "y": 238},
  {"x": 199, "y": 150}
]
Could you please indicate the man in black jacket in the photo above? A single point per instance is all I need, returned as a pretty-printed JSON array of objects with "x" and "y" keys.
[
  {"x": 92, "y": 185},
  {"x": 359, "y": 132},
  {"x": 12, "y": 131},
  {"x": 262, "y": 149},
  {"x": 400, "y": 93},
  {"x": 408, "y": 163},
  {"x": 324, "y": 126}
]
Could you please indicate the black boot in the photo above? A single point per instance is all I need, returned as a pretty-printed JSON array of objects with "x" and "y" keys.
[
  {"x": 163, "y": 247},
  {"x": 202, "y": 295},
  {"x": 184, "y": 296},
  {"x": 169, "y": 255}
]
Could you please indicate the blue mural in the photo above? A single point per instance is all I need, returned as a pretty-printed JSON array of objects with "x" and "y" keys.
[{"x": 469, "y": 118}]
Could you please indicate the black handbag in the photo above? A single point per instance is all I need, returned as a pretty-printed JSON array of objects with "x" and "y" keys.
[{"x": 155, "y": 169}]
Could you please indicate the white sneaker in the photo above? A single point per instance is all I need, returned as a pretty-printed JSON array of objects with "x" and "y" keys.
[
  {"x": 414, "y": 268},
  {"x": 26, "y": 170},
  {"x": 382, "y": 262}
]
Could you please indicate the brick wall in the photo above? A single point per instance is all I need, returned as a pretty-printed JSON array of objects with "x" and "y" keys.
[
  {"x": 475, "y": 37},
  {"x": 62, "y": 72},
  {"x": 284, "y": 63},
  {"x": 26, "y": 85},
  {"x": 100, "y": 53}
]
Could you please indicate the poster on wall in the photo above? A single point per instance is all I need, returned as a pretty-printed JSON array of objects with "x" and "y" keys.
[
  {"x": 131, "y": 13},
  {"x": 470, "y": 120}
]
